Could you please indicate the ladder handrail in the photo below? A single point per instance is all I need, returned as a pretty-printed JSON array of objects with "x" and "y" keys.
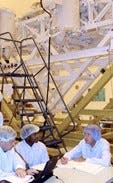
[
  {"x": 31, "y": 82},
  {"x": 72, "y": 120}
]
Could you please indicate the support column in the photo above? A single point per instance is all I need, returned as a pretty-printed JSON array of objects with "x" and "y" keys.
[
  {"x": 68, "y": 15},
  {"x": 7, "y": 21}
]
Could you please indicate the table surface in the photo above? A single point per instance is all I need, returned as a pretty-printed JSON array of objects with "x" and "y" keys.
[{"x": 72, "y": 175}]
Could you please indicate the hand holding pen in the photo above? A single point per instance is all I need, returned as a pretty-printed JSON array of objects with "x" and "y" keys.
[{"x": 64, "y": 160}]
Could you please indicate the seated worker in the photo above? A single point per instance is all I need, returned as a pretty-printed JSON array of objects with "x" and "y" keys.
[
  {"x": 93, "y": 148},
  {"x": 31, "y": 149},
  {"x": 10, "y": 161}
]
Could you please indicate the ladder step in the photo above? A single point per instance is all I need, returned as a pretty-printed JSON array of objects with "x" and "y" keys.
[
  {"x": 28, "y": 100},
  {"x": 53, "y": 143},
  {"x": 14, "y": 75},
  {"x": 30, "y": 114},
  {"x": 46, "y": 127},
  {"x": 23, "y": 87}
]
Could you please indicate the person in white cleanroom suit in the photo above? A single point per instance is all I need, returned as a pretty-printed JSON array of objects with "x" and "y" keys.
[
  {"x": 31, "y": 149},
  {"x": 93, "y": 148},
  {"x": 10, "y": 161}
]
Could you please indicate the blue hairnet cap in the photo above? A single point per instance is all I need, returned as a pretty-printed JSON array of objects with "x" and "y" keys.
[
  {"x": 28, "y": 130},
  {"x": 94, "y": 131},
  {"x": 7, "y": 133}
]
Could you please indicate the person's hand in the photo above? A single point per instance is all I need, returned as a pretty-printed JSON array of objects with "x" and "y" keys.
[
  {"x": 20, "y": 172},
  {"x": 64, "y": 160},
  {"x": 32, "y": 171},
  {"x": 80, "y": 159}
]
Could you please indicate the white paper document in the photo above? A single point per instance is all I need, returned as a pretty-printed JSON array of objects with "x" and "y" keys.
[
  {"x": 39, "y": 167},
  {"x": 15, "y": 179},
  {"x": 83, "y": 166}
]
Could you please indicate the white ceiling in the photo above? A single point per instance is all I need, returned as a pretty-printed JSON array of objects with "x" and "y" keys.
[{"x": 19, "y": 7}]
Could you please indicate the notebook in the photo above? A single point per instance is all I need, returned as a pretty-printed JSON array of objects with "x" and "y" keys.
[
  {"x": 11, "y": 177},
  {"x": 47, "y": 171}
]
